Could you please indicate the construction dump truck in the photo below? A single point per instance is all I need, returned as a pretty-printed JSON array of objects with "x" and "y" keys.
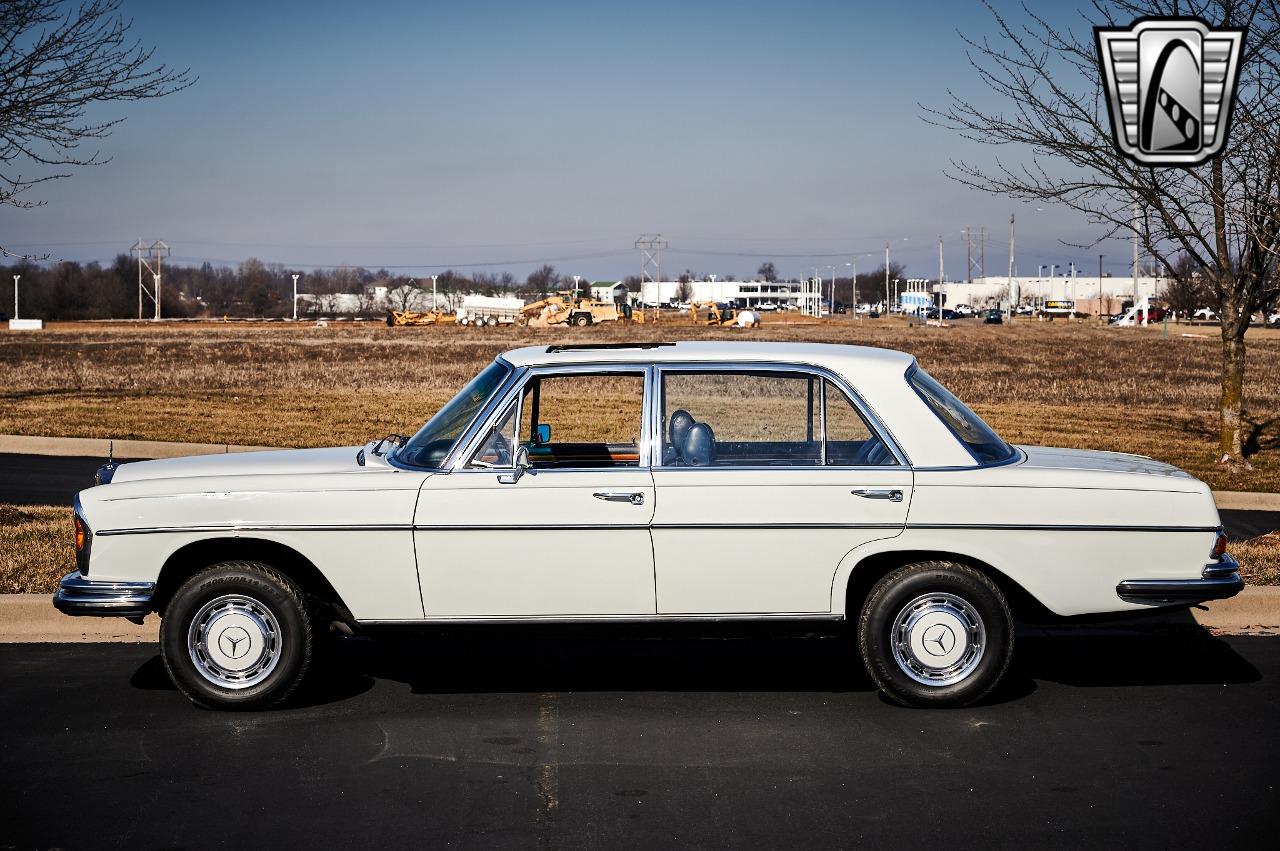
[
  {"x": 490, "y": 310},
  {"x": 566, "y": 308}
]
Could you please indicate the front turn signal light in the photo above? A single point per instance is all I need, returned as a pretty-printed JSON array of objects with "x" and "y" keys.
[
  {"x": 1220, "y": 546},
  {"x": 82, "y": 533}
]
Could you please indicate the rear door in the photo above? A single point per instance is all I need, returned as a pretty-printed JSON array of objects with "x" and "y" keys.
[{"x": 779, "y": 477}]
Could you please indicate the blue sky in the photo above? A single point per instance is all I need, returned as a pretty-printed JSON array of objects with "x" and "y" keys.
[{"x": 422, "y": 134}]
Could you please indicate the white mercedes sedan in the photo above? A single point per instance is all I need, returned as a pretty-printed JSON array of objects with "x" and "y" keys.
[{"x": 651, "y": 482}]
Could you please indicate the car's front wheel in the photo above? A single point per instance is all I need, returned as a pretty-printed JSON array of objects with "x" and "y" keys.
[
  {"x": 936, "y": 634},
  {"x": 236, "y": 635}
]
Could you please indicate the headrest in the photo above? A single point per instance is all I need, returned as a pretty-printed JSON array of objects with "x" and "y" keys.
[
  {"x": 677, "y": 426},
  {"x": 699, "y": 448}
]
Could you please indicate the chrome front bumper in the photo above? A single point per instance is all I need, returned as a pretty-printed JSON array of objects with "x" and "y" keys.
[
  {"x": 1219, "y": 580},
  {"x": 80, "y": 596}
]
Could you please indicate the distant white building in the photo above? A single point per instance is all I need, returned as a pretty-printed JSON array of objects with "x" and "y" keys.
[
  {"x": 995, "y": 290},
  {"x": 735, "y": 293}
]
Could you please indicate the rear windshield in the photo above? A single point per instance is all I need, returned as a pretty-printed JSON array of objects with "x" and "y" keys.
[{"x": 978, "y": 437}]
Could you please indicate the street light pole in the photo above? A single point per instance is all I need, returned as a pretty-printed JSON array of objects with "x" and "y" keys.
[
  {"x": 15, "y": 295},
  {"x": 1012, "y": 293},
  {"x": 295, "y": 297},
  {"x": 435, "y": 305}
]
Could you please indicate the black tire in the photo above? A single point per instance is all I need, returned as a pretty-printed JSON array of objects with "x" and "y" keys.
[
  {"x": 582, "y": 320},
  {"x": 221, "y": 594},
  {"x": 945, "y": 598}
]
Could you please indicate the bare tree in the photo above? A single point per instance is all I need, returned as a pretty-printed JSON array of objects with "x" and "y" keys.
[
  {"x": 1224, "y": 215},
  {"x": 767, "y": 272},
  {"x": 407, "y": 296},
  {"x": 684, "y": 291},
  {"x": 1185, "y": 292},
  {"x": 58, "y": 59}
]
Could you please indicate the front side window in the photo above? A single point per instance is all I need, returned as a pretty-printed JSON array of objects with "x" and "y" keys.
[
  {"x": 432, "y": 443},
  {"x": 978, "y": 437},
  {"x": 570, "y": 421},
  {"x": 763, "y": 419}
]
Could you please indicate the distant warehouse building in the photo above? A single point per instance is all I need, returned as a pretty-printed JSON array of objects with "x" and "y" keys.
[
  {"x": 994, "y": 291},
  {"x": 734, "y": 293}
]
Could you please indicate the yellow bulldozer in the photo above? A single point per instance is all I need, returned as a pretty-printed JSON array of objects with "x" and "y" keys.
[
  {"x": 711, "y": 313},
  {"x": 568, "y": 308}
]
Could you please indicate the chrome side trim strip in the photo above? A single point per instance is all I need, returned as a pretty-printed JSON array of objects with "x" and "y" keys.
[
  {"x": 1065, "y": 527},
  {"x": 570, "y": 619},
  {"x": 495, "y": 527}
]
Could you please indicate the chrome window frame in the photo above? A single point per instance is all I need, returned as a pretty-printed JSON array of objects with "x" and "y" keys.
[
  {"x": 1015, "y": 455},
  {"x": 457, "y": 461},
  {"x": 499, "y": 393},
  {"x": 873, "y": 422}
]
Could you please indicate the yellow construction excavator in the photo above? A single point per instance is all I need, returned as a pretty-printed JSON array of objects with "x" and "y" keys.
[
  {"x": 711, "y": 313},
  {"x": 567, "y": 308}
]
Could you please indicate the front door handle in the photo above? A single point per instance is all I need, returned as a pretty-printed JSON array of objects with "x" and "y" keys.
[
  {"x": 879, "y": 493},
  {"x": 617, "y": 496}
]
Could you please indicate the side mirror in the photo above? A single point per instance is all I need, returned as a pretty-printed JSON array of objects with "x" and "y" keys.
[
  {"x": 543, "y": 435},
  {"x": 521, "y": 465}
]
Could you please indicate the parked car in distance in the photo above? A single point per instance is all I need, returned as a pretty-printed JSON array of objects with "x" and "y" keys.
[
  {"x": 993, "y": 317},
  {"x": 711, "y": 481},
  {"x": 765, "y": 306},
  {"x": 964, "y": 310},
  {"x": 946, "y": 314},
  {"x": 1205, "y": 314}
]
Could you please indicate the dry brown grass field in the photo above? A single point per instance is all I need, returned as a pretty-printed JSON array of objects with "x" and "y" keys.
[
  {"x": 1129, "y": 390},
  {"x": 1054, "y": 383}
]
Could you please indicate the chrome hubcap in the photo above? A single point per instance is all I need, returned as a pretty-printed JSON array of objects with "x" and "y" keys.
[
  {"x": 234, "y": 641},
  {"x": 938, "y": 639}
]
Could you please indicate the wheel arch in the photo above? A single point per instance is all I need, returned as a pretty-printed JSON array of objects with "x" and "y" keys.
[
  {"x": 872, "y": 567},
  {"x": 193, "y": 557}
]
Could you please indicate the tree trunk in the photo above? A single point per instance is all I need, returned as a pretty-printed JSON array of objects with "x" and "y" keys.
[{"x": 1235, "y": 322}]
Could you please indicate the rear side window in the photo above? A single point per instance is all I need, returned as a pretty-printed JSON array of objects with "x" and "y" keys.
[{"x": 978, "y": 437}]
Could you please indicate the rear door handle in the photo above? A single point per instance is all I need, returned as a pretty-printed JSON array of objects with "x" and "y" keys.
[
  {"x": 879, "y": 493},
  {"x": 620, "y": 496}
]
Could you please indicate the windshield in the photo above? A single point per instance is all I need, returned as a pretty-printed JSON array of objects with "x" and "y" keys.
[
  {"x": 430, "y": 446},
  {"x": 978, "y": 437}
]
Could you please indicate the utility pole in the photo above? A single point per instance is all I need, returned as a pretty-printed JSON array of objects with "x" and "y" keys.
[
  {"x": 435, "y": 305},
  {"x": 1135, "y": 261},
  {"x": 148, "y": 254},
  {"x": 887, "y": 302},
  {"x": 940, "y": 275},
  {"x": 982, "y": 253},
  {"x": 1013, "y": 295},
  {"x": 968, "y": 252},
  {"x": 15, "y": 295},
  {"x": 1100, "y": 256},
  {"x": 295, "y": 297}
]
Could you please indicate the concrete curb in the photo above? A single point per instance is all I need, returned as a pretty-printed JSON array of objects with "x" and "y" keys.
[
  {"x": 1247, "y": 501},
  {"x": 31, "y": 618},
  {"x": 92, "y": 447}
]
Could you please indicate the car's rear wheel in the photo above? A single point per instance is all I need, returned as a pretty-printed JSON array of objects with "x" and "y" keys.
[
  {"x": 936, "y": 634},
  {"x": 237, "y": 635}
]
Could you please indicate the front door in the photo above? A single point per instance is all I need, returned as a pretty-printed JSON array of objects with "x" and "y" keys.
[
  {"x": 766, "y": 480},
  {"x": 570, "y": 537}
]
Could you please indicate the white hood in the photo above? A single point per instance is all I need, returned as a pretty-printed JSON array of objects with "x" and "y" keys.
[{"x": 341, "y": 459}]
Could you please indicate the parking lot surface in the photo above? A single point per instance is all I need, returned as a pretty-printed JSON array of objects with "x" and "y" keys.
[{"x": 576, "y": 739}]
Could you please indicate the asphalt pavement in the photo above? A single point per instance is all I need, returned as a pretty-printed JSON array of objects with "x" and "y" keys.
[
  {"x": 54, "y": 480},
  {"x": 579, "y": 739}
]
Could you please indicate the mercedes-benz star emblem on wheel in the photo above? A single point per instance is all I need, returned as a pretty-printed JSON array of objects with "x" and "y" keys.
[
  {"x": 1170, "y": 87},
  {"x": 234, "y": 642},
  {"x": 939, "y": 639}
]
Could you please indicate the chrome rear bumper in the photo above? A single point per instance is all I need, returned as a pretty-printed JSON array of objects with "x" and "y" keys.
[
  {"x": 1219, "y": 580},
  {"x": 80, "y": 596}
]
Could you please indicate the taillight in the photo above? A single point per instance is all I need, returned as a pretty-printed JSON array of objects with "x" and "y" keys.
[
  {"x": 82, "y": 533},
  {"x": 1220, "y": 546}
]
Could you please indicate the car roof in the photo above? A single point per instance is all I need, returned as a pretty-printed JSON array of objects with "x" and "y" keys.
[{"x": 702, "y": 351}]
